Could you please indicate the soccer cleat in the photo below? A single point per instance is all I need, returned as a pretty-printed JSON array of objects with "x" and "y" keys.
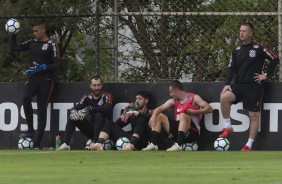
[
  {"x": 246, "y": 148},
  {"x": 225, "y": 132},
  {"x": 26, "y": 135},
  {"x": 96, "y": 146},
  {"x": 64, "y": 147},
  {"x": 150, "y": 147},
  {"x": 174, "y": 147},
  {"x": 128, "y": 147}
]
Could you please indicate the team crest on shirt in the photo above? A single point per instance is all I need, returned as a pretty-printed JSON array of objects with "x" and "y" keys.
[
  {"x": 101, "y": 102},
  {"x": 256, "y": 46},
  {"x": 238, "y": 48},
  {"x": 252, "y": 53},
  {"x": 45, "y": 46}
]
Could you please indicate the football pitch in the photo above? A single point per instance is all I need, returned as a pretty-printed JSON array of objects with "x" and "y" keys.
[{"x": 20, "y": 167}]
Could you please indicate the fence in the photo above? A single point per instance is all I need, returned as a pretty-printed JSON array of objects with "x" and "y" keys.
[{"x": 160, "y": 40}]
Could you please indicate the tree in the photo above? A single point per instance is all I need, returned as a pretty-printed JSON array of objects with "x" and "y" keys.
[
  {"x": 195, "y": 48},
  {"x": 75, "y": 36}
]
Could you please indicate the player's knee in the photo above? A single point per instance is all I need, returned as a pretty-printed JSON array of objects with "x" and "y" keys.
[
  {"x": 99, "y": 116},
  {"x": 183, "y": 117},
  {"x": 227, "y": 97},
  {"x": 254, "y": 116}
]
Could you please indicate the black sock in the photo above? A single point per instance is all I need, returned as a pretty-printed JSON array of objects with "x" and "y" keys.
[
  {"x": 101, "y": 140},
  {"x": 180, "y": 138},
  {"x": 134, "y": 140},
  {"x": 155, "y": 137}
]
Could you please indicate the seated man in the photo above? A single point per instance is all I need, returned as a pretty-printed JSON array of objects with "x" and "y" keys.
[
  {"x": 137, "y": 114},
  {"x": 188, "y": 108},
  {"x": 98, "y": 105}
]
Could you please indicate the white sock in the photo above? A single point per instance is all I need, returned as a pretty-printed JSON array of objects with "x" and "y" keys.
[
  {"x": 227, "y": 123},
  {"x": 250, "y": 142}
]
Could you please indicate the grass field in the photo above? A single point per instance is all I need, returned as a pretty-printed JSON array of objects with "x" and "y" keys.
[{"x": 19, "y": 167}]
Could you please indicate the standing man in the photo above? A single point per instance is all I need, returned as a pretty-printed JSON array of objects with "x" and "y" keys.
[
  {"x": 98, "y": 105},
  {"x": 43, "y": 61},
  {"x": 247, "y": 63},
  {"x": 188, "y": 110}
]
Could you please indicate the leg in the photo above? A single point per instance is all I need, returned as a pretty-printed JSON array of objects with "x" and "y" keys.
[
  {"x": 43, "y": 97},
  {"x": 139, "y": 139},
  {"x": 183, "y": 127},
  {"x": 226, "y": 100},
  {"x": 29, "y": 90},
  {"x": 252, "y": 102},
  {"x": 162, "y": 123},
  {"x": 254, "y": 127},
  {"x": 99, "y": 121}
]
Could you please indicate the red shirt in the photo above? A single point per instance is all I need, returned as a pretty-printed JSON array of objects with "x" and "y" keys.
[{"x": 180, "y": 106}]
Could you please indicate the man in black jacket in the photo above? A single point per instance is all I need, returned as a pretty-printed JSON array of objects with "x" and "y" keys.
[
  {"x": 43, "y": 61},
  {"x": 89, "y": 114},
  {"x": 247, "y": 64}
]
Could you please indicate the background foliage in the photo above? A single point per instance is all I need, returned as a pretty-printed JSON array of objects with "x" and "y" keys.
[{"x": 150, "y": 48}]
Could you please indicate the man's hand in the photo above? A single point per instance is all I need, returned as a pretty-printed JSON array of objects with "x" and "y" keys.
[
  {"x": 191, "y": 112},
  {"x": 260, "y": 77},
  {"x": 226, "y": 88},
  {"x": 134, "y": 113}
]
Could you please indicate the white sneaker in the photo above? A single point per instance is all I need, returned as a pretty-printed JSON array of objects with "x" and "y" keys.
[
  {"x": 64, "y": 147},
  {"x": 174, "y": 147},
  {"x": 150, "y": 147}
]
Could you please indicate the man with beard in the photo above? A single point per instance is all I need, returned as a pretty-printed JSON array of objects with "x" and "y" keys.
[
  {"x": 98, "y": 105},
  {"x": 137, "y": 114}
]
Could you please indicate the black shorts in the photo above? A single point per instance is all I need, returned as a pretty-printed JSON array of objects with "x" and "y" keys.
[
  {"x": 192, "y": 135},
  {"x": 250, "y": 93}
]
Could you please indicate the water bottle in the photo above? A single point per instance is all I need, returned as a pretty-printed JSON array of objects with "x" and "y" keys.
[
  {"x": 58, "y": 141},
  {"x": 133, "y": 106}
]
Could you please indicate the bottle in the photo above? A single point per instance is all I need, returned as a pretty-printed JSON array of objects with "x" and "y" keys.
[
  {"x": 133, "y": 106},
  {"x": 58, "y": 141}
]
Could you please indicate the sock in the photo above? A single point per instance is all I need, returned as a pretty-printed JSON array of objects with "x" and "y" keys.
[
  {"x": 101, "y": 140},
  {"x": 180, "y": 138},
  {"x": 250, "y": 142},
  {"x": 227, "y": 123},
  {"x": 134, "y": 140},
  {"x": 155, "y": 137}
]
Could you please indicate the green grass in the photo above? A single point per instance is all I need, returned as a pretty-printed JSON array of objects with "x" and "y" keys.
[{"x": 78, "y": 167}]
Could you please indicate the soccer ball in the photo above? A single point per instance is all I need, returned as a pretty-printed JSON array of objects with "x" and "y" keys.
[
  {"x": 121, "y": 143},
  {"x": 108, "y": 145},
  {"x": 193, "y": 146},
  {"x": 13, "y": 26},
  {"x": 89, "y": 142},
  {"x": 26, "y": 143},
  {"x": 221, "y": 144}
]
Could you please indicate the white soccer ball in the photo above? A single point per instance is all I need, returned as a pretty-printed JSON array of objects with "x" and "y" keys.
[
  {"x": 108, "y": 145},
  {"x": 13, "y": 26},
  {"x": 121, "y": 143},
  {"x": 190, "y": 146},
  {"x": 26, "y": 143},
  {"x": 221, "y": 144}
]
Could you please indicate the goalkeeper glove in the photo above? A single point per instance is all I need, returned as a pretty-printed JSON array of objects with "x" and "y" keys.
[
  {"x": 79, "y": 115},
  {"x": 36, "y": 68}
]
